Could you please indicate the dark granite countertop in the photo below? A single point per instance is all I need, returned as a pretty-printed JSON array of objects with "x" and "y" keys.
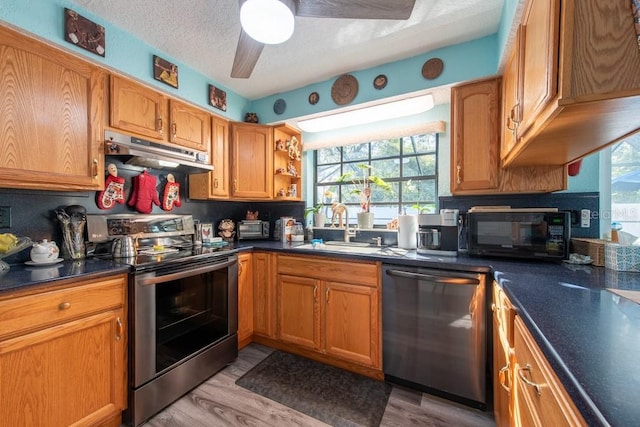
[
  {"x": 21, "y": 277},
  {"x": 589, "y": 335}
]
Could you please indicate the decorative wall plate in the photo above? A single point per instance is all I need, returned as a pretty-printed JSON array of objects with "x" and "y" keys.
[
  {"x": 344, "y": 89},
  {"x": 380, "y": 81},
  {"x": 432, "y": 68},
  {"x": 314, "y": 97},
  {"x": 279, "y": 106}
]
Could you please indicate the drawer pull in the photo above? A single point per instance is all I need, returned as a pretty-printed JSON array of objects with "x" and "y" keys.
[
  {"x": 119, "y": 329},
  {"x": 503, "y": 375},
  {"x": 64, "y": 306},
  {"x": 459, "y": 174},
  {"x": 535, "y": 386}
]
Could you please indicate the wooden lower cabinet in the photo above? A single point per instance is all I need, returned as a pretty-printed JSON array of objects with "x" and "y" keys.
[
  {"x": 63, "y": 355},
  {"x": 263, "y": 294},
  {"x": 245, "y": 299},
  {"x": 526, "y": 390},
  {"x": 330, "y": 308},
  {"x": 539, "y": 397}
]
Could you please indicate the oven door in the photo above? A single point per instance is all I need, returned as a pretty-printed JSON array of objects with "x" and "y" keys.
[{"x": 180, "y": 311}]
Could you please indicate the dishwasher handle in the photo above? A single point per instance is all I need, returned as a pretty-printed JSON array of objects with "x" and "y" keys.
[{"x": 448, "y": 280}]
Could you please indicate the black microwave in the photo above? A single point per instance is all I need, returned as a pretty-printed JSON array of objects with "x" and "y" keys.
[{"x": 519, "y": 234}]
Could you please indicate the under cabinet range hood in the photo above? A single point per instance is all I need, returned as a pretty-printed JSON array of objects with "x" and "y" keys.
[{"x": 140, "y": 152}]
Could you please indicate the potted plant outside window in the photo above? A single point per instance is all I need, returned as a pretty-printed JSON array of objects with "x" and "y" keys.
[{"x": 364, "y": 185}]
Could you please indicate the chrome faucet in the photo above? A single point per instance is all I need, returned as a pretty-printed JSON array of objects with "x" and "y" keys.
[{"x": 347, "y": 235}]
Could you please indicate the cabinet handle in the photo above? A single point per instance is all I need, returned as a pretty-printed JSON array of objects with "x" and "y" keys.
[
  {"x": 459, "y": 174},
  {"x": 118, "y": 329},
  {"x": 503, "y": 374},
  {"x": 215, "y": 183},
  {"x": 525, "y": 380},
  {"x": 240, "y": 268},
  {"x": 235, "y": 185},
  {"x": 315, "y": 292},
  {"x": 160, "y": 126},
  {"x": 327, "y": 296},
  {"x": 95, "y": 168},
  {"x": 64, "y": 306},
  {"x": 174, "y": 129}
]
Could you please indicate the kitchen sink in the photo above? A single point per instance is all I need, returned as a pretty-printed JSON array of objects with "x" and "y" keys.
[{"x": 358, "y": 248}]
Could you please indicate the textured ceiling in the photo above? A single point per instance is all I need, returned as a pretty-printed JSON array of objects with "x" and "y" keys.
[{"x": 203, "y": 34}]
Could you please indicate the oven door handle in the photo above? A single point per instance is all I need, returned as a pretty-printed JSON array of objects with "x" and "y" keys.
[{"x": 182, "y": 274}]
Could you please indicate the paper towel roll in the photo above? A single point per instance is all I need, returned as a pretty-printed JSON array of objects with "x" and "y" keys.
[{"x": 407, "y": 230}]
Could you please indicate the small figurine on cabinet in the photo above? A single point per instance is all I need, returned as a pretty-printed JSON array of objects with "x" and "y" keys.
[
  {"x": 291, "y": 169},
  {"x": 280, "y": 145},
  {"x": 251, "y": 216},
  {"x": 251, "y": 118},
  {"x": 282, "y": 192}
]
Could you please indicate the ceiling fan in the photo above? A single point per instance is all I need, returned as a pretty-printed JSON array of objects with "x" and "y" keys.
[{"x": 249, "y": 49}]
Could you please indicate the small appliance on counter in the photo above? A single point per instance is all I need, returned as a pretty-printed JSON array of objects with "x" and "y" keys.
[
  {"x": 253, "y": 229},
  {"x": 540, "y": 233},
  {"x": 438, "y": 233}
]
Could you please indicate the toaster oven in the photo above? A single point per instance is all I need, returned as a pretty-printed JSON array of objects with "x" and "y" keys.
[{"x": 253, "y": 229}]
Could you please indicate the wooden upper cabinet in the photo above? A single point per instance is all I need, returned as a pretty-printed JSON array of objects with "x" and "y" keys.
[
  {"x": 251, "y": 161},
  {"x": 214, "y": 184},
  {"x": 475, "y": 114},
  {"x": 138, "y": 109},
  {"x": 579, "y": 80},
  {"x": 190, "y": 127},
  {"x": 511, "y": 93},
  {"x": 51, "y": 113},
  {"x": 539, "y": 58},
  {"x": 474, "y": 123}
]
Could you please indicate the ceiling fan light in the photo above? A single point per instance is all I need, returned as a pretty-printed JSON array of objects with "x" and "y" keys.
[{"x": 267, "y": 21}]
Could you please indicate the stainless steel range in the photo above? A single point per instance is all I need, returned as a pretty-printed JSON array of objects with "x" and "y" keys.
[{"x": 183, "y": 316}]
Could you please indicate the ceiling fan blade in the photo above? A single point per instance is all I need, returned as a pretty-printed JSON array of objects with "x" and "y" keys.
[
  {"x": 356, "y": 9},
  {"x": 247, "y": 54}
]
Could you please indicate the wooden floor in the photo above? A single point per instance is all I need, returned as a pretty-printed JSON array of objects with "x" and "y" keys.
[{"x": 220, "y": 402}]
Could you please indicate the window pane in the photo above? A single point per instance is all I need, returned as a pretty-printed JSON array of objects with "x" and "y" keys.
[
  {"x": 419, "y": 144},
  {"x": 384, "y": 213},
  {"x": 329, "y": 173},
  {"x": 388, "y": 168},
  {"x": 379, "y": 195},
  {"x": 420, "y": 165},
  {"x": 385, "y": 148},
  {"x": 328, "y": 155},
  {"x": 356, "y": 152}
]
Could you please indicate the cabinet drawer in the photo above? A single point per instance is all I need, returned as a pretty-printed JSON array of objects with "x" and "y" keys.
[
  {"x": 36, "y": 311},
  {"x": 355, "y": 273},
  {"x": 540, "y": 395}
]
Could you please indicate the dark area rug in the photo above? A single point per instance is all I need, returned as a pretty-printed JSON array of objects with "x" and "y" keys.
[{"x": 329, "y": 394}]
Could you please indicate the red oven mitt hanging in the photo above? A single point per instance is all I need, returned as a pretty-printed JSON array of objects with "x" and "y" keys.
[
  {"x": 113, "y": 189},
  {"x": 171, "y": 194},
  {"x": 144, "y": 194}
]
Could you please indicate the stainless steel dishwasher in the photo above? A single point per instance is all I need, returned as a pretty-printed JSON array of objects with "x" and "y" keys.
[{"x": 434, "y": 332}]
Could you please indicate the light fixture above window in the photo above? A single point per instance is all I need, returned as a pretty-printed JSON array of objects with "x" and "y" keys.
[
  {"x": 374, "y": 113},
  {"x": 268, "y": 21}
]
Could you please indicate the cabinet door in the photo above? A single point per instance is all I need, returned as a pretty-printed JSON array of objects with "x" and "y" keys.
[
  {"x": 352, "y": 323},
  {"x": 298, "y": 311},
  {"x": 51, "y": 113},
  {"x": 263, "y": 299},
  {"x": 137, "y": 109},
  {"x": 70, "y": 374},
  {"x": 190, "y": 127},
  {"x": 251, "y": 161},
  {"x": 511, "y": 98},
  {"x": 474, "y": 120},
  {"x": 501, "y": 376},
  {"x": 539, "y": 74},
  {"x": 245, "y": 299},
  {"x": 214, "y": 184}
]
